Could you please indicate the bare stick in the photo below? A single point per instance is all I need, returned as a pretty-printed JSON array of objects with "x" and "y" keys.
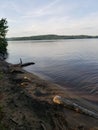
[{"x": 27, "y": 64}]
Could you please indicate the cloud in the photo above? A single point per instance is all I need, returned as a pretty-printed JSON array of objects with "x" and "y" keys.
[
  {"x": 9, "y": 6},
  {"x": 41, "y": 11},
  {"x": 64, "y": 26},
  {"x": 54, "y": 16}
]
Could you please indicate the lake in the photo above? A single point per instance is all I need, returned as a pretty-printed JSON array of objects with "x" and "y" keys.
[{"x": 72, "y": 63}]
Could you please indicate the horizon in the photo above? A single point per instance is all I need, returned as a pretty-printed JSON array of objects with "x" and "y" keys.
[
  {"x": 52, "y": 35},
  {"x": 58, "y": 17}
]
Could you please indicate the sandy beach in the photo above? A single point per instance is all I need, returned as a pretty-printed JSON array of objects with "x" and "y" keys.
[{"x": 26, "y": 103}]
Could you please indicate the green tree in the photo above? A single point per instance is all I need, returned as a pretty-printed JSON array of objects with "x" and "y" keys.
[{"x": 3, "y": 31}]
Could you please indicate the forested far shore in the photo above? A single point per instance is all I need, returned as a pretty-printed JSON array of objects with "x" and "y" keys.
[{"x": 51, "y": 37}]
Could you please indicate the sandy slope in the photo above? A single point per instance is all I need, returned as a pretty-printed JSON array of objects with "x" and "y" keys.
[{"x": 27, "y": 104}]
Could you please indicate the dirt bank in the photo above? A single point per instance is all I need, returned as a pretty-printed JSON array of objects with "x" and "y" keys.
[{"x": 26, "y": 103}]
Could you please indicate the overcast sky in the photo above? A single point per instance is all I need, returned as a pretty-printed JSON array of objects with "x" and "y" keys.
[{"x": 37, "y": 17}]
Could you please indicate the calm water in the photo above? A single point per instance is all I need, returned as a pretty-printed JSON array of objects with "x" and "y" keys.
[{"x": 67, "y": 62}]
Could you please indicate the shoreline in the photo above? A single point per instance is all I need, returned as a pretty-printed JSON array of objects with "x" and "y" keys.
[{"x": 27, "y": 103}]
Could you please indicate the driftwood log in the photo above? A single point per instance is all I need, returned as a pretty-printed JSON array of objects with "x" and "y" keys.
[
  {"x": 23, "y": 64},
  {"x": 16, "y": 68},
  {"x": 74, "y": 106},
  {"x": 27, "y": 64}
]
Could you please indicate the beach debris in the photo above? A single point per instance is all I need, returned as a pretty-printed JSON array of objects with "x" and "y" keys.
[
  {"x": 16, "y": 68},
  {"x": 74, "y": 106},
  {"x": 57, "y": 100},
  {"x": 25, "y": 77},
  {"x": 43, "y": 125},
  {"x": 24, "y": 84},
  {"x": 25, "y": 64}
]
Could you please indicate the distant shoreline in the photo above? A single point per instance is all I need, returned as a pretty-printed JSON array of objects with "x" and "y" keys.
[{"x": 51, "y": 37}]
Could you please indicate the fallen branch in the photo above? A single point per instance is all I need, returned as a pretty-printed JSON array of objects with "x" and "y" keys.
[
  {"x": 23, "y": 64},
  {"x": 43, "y": 126},
  {"x": 16, "y": 68},
  {"x": 27, "y": 64},
  {"x": 73, "y": 106}
]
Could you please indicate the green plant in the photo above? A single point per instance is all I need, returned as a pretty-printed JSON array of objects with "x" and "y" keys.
[{"x": 3, "y": 31}]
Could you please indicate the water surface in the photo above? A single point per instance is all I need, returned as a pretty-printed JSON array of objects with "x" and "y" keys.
[{"x": 66, "y": 62}]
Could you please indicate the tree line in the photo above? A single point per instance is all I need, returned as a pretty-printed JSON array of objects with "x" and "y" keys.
[
  {"x": 3, "y": 32},
  {"x": 51, "y": 37}
]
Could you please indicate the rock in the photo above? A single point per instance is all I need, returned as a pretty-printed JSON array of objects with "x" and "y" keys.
[{"x": 1, "y": 57}]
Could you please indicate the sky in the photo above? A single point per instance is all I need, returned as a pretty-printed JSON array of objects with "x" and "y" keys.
[{"x": 39, "y": 17}]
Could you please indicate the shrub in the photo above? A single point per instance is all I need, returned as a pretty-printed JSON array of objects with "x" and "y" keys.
[{"x": 3, "y": 31}]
